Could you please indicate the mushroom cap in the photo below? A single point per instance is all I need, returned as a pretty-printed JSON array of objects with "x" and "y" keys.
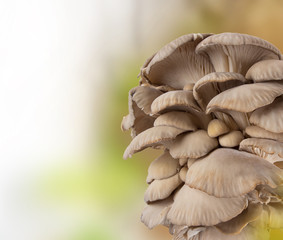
[
  {"x": 235, "y": 52},
  {"x": 269, "y": 117},
  {"x": 192, "y": 145},
  {"x": 155, "y": 213},
  {"x": 268, "y": 149},
  {"x": 193, "y": 207},
  {"x": 175, "y": 101},
  {"x": 231, "y": 139},
  {"x": 216, "y": 128},
  {"x": 162, "y": 167},
  {"x": 230, "y": 173},
  {"x": 182, "y": 120},
  {"x": 161, "y": 189},
  {"x": 258, "y": 132},
  {"x": 177, "y": 64},
  {"x": 144, "y": 96},
  {"x": 151, "y": 137},
  {"x": 266, "y": 70},
  {"x": 236, "y": 225},
  {"x": 246, "y": 98},
  {"x": 213, "y": 83}
]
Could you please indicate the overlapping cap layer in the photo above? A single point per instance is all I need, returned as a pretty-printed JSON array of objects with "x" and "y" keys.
[{"x": 212, "y": 104}]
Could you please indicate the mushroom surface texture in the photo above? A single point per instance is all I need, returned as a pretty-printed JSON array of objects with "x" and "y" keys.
[{"x": 213, "y": 106}]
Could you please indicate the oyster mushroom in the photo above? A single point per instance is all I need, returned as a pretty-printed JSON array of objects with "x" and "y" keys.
[
  {"x": 258, "y": 132},
  {"x": 155, "y": 213},
  {"x": 162, "y": 167},
  {"x": 183, "y": 120},
  {"x": 268, "y": 149},
  {"x": 177, "y": 64},
  {"x": 269, "y": 117},
  {"x": 268, "y": 70},
  {"x": 192, "y": 145},
  {"x": 230, "y": 173},
  {"x": 234, "y": 52},
  {"x": 199, "y": 97},
  {"x": 214, "y": 83},
  {"x": 161, "y": 189},
  {"x": 197, "y": 211},
  {"x": 151, "y": 137}
]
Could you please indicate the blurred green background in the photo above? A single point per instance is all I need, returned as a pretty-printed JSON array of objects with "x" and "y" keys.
[{"x": 92, "y": 193}]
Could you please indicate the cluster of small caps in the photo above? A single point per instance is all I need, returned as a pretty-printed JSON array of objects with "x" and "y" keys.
[{"x": 214, "y": 105}]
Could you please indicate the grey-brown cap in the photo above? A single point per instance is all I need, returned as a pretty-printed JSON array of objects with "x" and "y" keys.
[
  {"x": 269, "y": 117},
  {"x": 214, "y": 83},
  {"x": 162, "y": 167},
  {"x": 268, "y": 149},
  {"x": 177, "y": 64},
  {"x": 161, "y": 189},
  {"x": 175, "y": 101},
  {"x": 192, "y": 145},
  {"x": 268, "y": 70},
  {"x": 193, "y": 207},
  {"x": 258, "y": 132},
  {"x": 151, "y": 137},
  {"x": 182, "y": 120},
  {"x": 156, "y": 213},
  {"x": 246, "y": 98},
  {"x": 235, "y": 52},
  {"x": 229, "y": 173}
]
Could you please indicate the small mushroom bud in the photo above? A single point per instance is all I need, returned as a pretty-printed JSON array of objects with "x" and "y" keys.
[
  {"x": 216, "y": 128},
  {"x": 231, "y": 139}
]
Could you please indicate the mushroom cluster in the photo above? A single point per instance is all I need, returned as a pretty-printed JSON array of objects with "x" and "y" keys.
[{"x": 214, "y": 105}]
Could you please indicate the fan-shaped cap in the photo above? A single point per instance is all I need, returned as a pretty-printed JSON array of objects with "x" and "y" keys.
[
  {"x": 230, "y": 173},
  {"x": 235, "y": 225},
  {"x": 174, "y": 101},
  {"x": 139, "y": 119},
  {"x": 162, "y": 167},
  {"x": 161, "y": 189},
  {"x": 177, "y": 64},
  {"x": 235, "y": 52},
  {"x": 193, "y": 207},
  {"x": 144, "y": 96},
  {"x": 266, "y": 70},
  {"x": 258, "y": 132},
  {"x": 192, "y": 145},
  {"x": 268, "y": 149},
  {"x": 246, "y": 98},
  {"x": 155, "y": 213},
  {"x": 213, "y": 83},
  {"x": 151, "y": 137},
  {"x": 269, "y": 117},
  {"x": 231, "y": 139},
  {"x": 216, "y": 128},
  {"x": 182, "y": 120}
]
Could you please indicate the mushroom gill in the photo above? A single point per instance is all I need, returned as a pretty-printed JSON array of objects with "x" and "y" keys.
[{"x": 213, "y": 104}]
